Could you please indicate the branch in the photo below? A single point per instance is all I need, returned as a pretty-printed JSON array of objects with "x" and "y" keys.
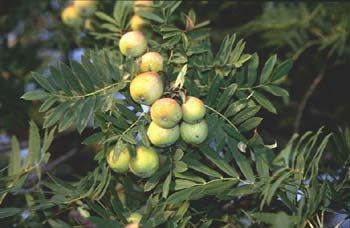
[
  {"x": 92, "y": 93},
  {"x": 59, "y": 160},
  {"x": 33, "y": 178},
  {"x": 306, "y": 98}
]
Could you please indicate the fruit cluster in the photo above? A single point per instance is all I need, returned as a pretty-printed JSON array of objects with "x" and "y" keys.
[
  {"x": 144, "y": 164},
  {"x": 169, "y": 119},
  {"x": 78, "y": 13}
]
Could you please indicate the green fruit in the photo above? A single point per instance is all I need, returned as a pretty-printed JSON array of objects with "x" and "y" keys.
[
  {"x": 133, "y": 44},
  {"x": 134, "y": 218},
  {"x": 121, "y": 163},
  {"x": 194, "y": 133},
  {"x": 146, "y": 88},
  {"x": 71, "y": 17},
  {"x": 166, "y": 112},
  {"x": 162, "y": 137},
  {"x": 151, "y": 61},
  {"x": 193, "y": 110},
  {"x": 85, "y": 8},
  {"x": 145, "y": 163}
]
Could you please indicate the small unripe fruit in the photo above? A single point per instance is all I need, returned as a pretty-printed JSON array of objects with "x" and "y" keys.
[
  {"x": 85, "y": 8},
  {"x": 145, "y": 163},
  {"x": 134, "y": 218},
  {"x": 146, "y": 88},
  {"x": 71, "y": 17},
  {"x": 83, "y": 212},
  {"x": 137, "y": 22},
  {"x": 145, "y": 6},
  {"x": 193, "y": 110},
  {"x": 151, "y": 61},
  {"x": 133, "y": 44},
  {"x": 121, "y": 163},
  {"x": 194, "y": 133},
  {"x": 166, "y": 112},
  {"x": 162, "y": 137},
  {"x": 121, "y": 193}
]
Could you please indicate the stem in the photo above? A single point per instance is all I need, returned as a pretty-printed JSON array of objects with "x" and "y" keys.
[
  {"x": 306, "y": 46},
  {"x": 34, "y": 178},
  {"x": 310, "y": 224},
  {"x": 341, "y": 222},
  {"x": 92, "y": 93},
  {"x": 133, "y": 124},
  {"x": 224, "y": 117},
  {"x": 249, "y": 88},
  {"x": 306, "y": 98},
  {"x": 221, "y": 179}
]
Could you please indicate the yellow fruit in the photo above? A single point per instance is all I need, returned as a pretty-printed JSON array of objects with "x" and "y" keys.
[
  {"x": 146, "y": 88},
  {"x": 121, "y": 163},
  {"x": 194, "y": 133},
  {"x": 145, "y": 163},
  {"x": 88, "y": 25},
  {"x": 143, "y": 6},
  {"x": 133, "y": 44},
  {"x": 134, "y": 218},
  {"x": 162, "y": 137},
  {"x": 132, "y": 225},
  {"x": 151, "y": 61},
  {"x": 71, "y": 17},
  {"x": 85, "y": 8},
  {"x": 166, "y": 112},
  {"x": 193, "y": 110},
  {"x": 137, "y": 22}
]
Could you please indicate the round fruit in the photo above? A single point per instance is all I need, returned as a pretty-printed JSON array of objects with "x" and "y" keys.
[
  {"x": 194, "y": 133},
  {"x": 134, "y": 218},
  {"x": 162, "y": 137},
  {"x": 166, "y": 112},
  {"x": 151, "y": 61},
  {"x": 121, "y": 163},
  {"x": 137, "y": 22},
  {"x": 193, "y": 110},
  {"x": 133, "y": 44},
  {"x": 145, "y": 163},
  {"x": 145, "y": 6},
  {"x": 146, "y": 88},
  {"x": 70, "y": 16},
  {"x": 85, "y": 8}
]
